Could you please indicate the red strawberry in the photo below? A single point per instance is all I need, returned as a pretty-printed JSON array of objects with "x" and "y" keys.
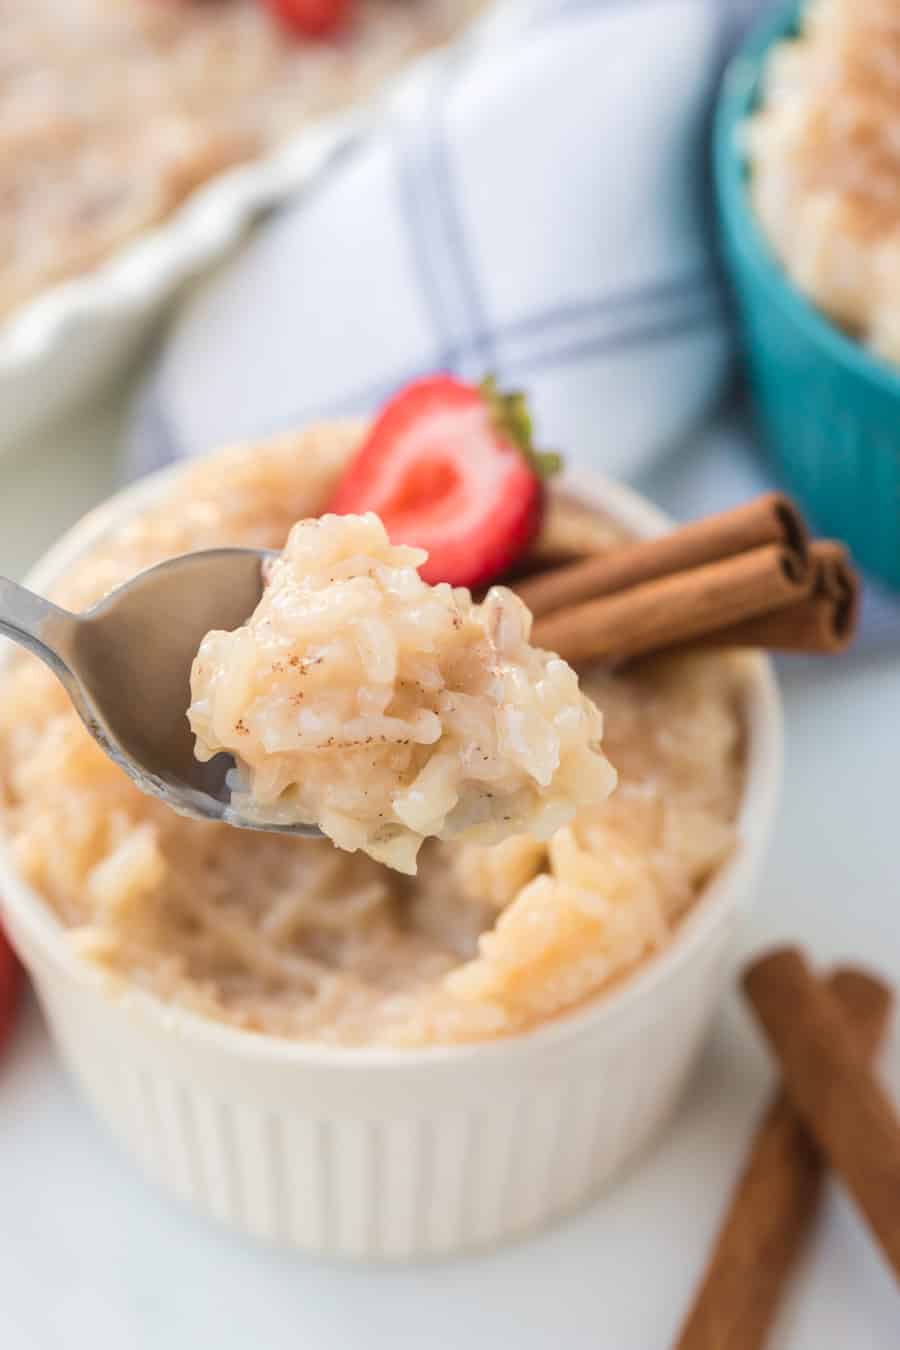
[
  {"x": 450, "y": 467},
  {"x": 311, "y": 18},
  {"x": 10, "y": 986}
]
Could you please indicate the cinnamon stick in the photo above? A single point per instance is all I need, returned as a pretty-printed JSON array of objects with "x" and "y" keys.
[
  {"x": 770, "y": 519},
  {"x": 676, "y": 608},
  {"x": 775, "y": 1201},
  {"x": 837, "y": 1095},
  {"x": 824, "y": 621}
]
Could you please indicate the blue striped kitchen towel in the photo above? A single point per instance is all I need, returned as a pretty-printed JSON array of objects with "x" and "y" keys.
[{"x": 533, "y": 204}]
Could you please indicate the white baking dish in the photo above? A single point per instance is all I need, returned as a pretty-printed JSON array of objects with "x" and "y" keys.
[{"x": 74, "y": 335}]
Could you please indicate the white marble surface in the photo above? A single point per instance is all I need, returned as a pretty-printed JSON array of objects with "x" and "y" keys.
[{"x": 90, "y": 1255}]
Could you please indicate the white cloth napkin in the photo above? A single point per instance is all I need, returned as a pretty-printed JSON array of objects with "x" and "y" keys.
[{"x": 534, "y": 204}]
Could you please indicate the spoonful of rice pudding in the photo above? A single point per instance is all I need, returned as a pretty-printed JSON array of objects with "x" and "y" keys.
[
  {"x": 329, "y": 689},
  {"x": 388, "y": 710}
]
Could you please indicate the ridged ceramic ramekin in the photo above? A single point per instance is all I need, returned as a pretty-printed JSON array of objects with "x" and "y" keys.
[
  {"x": 398, "y": 1154},
  {"x": 828, "y": 410}
]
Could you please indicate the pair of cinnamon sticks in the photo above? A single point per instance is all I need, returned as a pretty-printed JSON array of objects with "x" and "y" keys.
[
  {"x": 744, "y": 578},
  {"x": 832, "y": 1112}
]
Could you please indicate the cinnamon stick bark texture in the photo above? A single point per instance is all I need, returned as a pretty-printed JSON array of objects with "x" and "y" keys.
[
  {"x": 824, "y": 621},
  {"x": 845, "y": 1109},
  {"x": 775, "y": 1201},
  {"x": 770, "y": 519},
  {"x": 676, "y": 608}
]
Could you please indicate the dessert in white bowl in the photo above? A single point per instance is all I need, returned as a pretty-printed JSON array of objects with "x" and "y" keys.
[{"x": 318, "y": 1050}]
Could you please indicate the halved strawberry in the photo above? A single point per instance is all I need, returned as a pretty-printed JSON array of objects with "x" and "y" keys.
[
  {"x": 10, "y": 986},
  {"x": 311, "y": 18},
  {"x": 450, "y": 467}
]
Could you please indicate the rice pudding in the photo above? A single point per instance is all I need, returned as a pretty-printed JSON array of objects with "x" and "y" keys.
[
  {"x": 385, "y": 710},
  {"x": 294, "y": 938},
  {"x": 824, "y": 172}
]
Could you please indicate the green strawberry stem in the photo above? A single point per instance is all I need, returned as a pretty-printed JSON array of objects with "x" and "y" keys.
[{"x": 512, "y": 420}]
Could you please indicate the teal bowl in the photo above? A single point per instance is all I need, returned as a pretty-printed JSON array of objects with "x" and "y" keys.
[{"x": 828, "y": 411}]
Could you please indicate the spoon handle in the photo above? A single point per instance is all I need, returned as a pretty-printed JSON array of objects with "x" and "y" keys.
[{"x": 35, "y": 623}]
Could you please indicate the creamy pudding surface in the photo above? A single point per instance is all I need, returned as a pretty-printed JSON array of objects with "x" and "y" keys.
[{"x": 295, "y": 938}]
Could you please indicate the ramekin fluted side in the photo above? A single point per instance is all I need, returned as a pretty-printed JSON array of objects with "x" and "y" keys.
[{"x": 470, "y": 1158}]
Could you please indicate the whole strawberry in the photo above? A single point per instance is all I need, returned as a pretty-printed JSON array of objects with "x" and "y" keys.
[{"x": 311, "y": 18}]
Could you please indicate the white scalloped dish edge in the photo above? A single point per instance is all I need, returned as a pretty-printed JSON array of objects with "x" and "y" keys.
[{"x": 74, "y": 335}]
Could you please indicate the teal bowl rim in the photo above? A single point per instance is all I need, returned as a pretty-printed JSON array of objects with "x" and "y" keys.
[{"x": 737, "y": 98}]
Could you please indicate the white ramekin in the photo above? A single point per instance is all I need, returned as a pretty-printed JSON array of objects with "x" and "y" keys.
[{"x": 385, "y": 1154}]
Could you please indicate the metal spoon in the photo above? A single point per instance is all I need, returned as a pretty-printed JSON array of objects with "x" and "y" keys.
[{"x": 126, "y": 666}]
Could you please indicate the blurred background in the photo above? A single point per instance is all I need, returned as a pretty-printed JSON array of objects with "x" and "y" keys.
[{"x": 221, "y": 219}]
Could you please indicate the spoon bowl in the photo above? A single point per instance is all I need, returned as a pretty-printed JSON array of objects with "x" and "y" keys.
[{"x": 126, "y": 665}]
